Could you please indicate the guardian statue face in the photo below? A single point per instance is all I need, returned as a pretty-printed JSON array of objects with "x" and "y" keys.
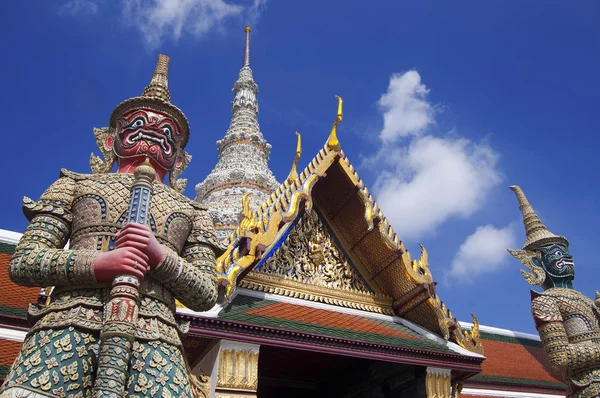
[
  {"x": 558, "y": 263},
  {"x": 149, "y": 133}
]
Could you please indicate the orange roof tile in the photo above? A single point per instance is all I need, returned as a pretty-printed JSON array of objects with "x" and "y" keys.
[
  {"x": 317, "y": 316},
  {"x": 12, "y": 295},
  {"x": 506, "y": 359},
  {"x": 9, "y": 351}
]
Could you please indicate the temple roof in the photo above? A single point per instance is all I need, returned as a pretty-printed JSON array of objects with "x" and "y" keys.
[
  {"x": 329, "y": 184},
  {"x": 514, "y": 361},
  {"x": 242, "y": 167}
]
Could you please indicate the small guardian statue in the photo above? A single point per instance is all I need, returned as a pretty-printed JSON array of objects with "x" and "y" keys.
[
  {"x": 566, "y": 320},
  {"x": 136, "y": 245}
]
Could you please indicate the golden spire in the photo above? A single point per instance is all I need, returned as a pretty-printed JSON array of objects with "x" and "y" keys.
[
  {"x": 536, "y": 233},
  {"x": 293, "y": 172},
  {"x": 332, "y": 141},
  {"x": 159, "y": 85},
  {"x": 246, "y": 47}
]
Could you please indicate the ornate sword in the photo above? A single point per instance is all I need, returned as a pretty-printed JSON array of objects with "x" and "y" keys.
[{"x": 121, "y": 311}]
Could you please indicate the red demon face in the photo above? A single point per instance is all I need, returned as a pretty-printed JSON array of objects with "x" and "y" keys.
[{"x": 148, "y": 133}]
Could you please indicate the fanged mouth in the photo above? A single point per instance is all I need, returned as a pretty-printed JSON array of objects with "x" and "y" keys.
[
  {"x": 564, "y": 262},
  {"x": 140, "y": 135}
]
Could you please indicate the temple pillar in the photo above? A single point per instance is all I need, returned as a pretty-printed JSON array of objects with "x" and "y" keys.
[
  {"x": 237, "y": 370},
  {"x": 438, "y": 383}
]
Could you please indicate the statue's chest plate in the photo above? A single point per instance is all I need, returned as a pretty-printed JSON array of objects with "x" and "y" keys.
[{"x": 100, "y": 209}]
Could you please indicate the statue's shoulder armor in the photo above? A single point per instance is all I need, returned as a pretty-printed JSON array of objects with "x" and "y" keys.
[
  {"x": 55, "y": 201},
  {"x": 184, "y": 199},
  {"x": 70, "y": 174},
  {"x": 101, "y": 177},
  {"x": 544, "y": 308}
]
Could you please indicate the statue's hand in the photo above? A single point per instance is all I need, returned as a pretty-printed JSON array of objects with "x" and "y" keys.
[
  {"x": 121, "y": 261},
  {"x": 141, "y": 237}
]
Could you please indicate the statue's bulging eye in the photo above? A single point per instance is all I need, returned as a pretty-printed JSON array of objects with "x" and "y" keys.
[
  {"x": 167, "y": 130},
  {"x": 138, "y": 123},
  {"x": 558, "y": 253}
]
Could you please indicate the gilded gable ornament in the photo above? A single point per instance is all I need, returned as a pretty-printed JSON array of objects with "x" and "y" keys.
[{"x": 310, "y": 255}]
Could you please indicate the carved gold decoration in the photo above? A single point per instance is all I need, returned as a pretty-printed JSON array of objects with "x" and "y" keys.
[
  {"x": 457, "y": 387},
  {"x": 97, "y": 164},
  {"x": 238, "y": 370},
  {"x": 200, "y": 385},
  {"x": 310, "y": 255},
  {"x": 310, "y": 265},
  {"x": 437, "y": 383},
  {"x": 293, "y": 172},
  {"x": 332, "y": 141},
  {"x": 281, "y": 208},
  {"x": 471, "y": 339},
  {"x": 249, "y": 222},
  {"x": 290, "y": 288}
]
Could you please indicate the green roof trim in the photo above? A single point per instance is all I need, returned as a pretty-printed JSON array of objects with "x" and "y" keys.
[
  {"x": 6, "y": 248},
  {"x": 511, "y": 340},
  {"x": 6, "y": 310},
  {"x": 238, "y": 311},
  {"x": 516, "y": 380},
  {"x": 4, "y": 369}
]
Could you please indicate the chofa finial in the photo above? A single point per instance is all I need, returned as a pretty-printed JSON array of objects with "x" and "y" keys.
[
  {"x": 293, "y": 172},
  {"x": 536, "y": 232},
  {"x": 159, "y": 85},
  {"x": 332, "y": 141}
]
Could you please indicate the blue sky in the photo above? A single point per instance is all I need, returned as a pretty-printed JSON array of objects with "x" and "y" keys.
[{"x": 446, "y": 105}]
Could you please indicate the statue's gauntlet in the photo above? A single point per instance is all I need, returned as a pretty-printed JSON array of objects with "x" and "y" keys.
[
  {"x": 191, "y": 277},
  {"x": 39, "y": 259}
]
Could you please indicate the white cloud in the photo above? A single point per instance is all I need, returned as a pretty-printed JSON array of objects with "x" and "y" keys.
[
  {"x": 482, "y": 252},
  {"x": 158, "y": 20},
  {"x": 405, "y": 109},
  {"x": 425, "y": 180},
  {"x": 432, "y": 180},
  {"x": 78, "y": 8}
]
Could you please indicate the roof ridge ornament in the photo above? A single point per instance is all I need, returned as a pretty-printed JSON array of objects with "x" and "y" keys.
[
  {"x": 294, "y": 172},
  {"x": 246, "y": 61},
  {"x": 332, "y": 142},
  {"x": 536, "y": 232}
]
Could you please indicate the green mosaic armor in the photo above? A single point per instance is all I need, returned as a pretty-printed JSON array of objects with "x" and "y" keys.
[{"x": 60, "y": 352}]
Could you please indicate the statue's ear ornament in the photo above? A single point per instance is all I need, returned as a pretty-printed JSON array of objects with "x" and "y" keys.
[
  {"x": 179, "y": 184},
  {"x": 97, "y": 164},
  {"x": 537, "y": 276}
]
